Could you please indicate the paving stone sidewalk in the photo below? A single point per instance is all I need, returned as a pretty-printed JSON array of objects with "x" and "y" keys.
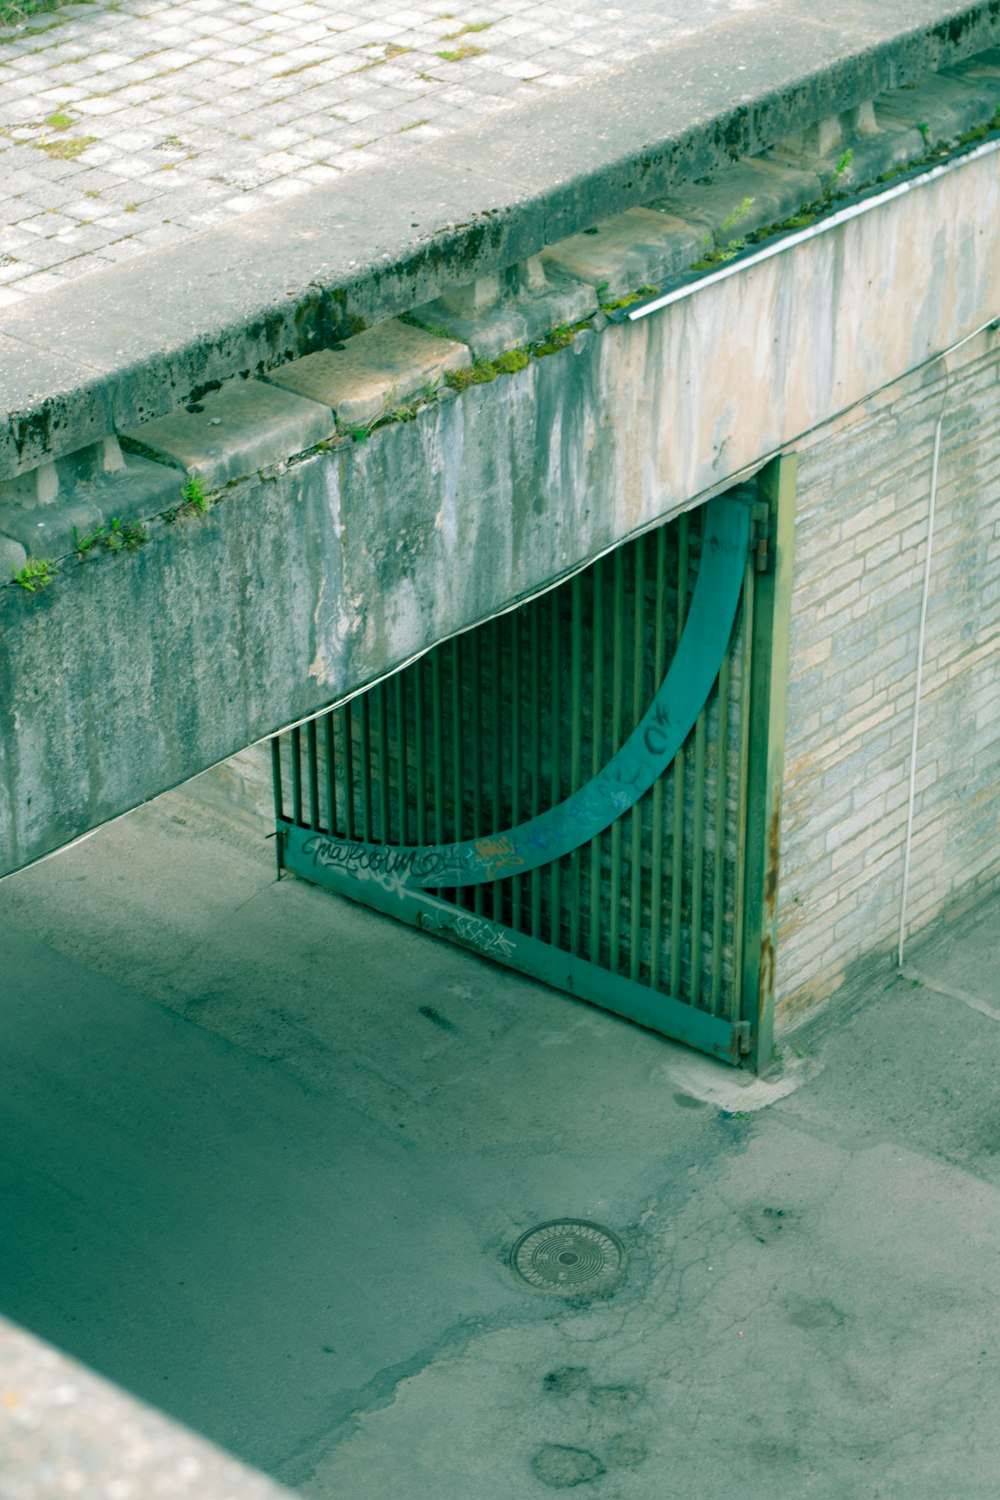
[{"x": 126, "y": 126}]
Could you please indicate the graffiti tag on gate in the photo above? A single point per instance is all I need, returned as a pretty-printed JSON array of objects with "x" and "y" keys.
[
  {"x": 500, "y": 855},
  {"x": 475, "y": 932},
  {"x": 377, "y": 861}
]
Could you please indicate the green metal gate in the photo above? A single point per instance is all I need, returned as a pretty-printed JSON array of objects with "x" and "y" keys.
[{"x": 584, "y": 789}]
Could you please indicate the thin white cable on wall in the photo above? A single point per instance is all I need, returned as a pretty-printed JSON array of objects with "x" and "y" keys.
[{"x": 921, "y": 635}]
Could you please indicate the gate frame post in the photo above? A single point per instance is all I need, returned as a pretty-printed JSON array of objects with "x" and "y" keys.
[
  {"x": 279, "y": 811},
  {"x": 765, "y": 773}
]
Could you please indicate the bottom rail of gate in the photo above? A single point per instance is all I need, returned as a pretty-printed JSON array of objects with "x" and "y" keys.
[{"x": 652, "y": 1009}]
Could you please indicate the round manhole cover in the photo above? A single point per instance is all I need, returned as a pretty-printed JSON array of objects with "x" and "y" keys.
[{"x": 569, "y": 1257}]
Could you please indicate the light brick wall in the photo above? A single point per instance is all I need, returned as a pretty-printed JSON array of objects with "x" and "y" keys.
[{"x": 864, "y": 489}]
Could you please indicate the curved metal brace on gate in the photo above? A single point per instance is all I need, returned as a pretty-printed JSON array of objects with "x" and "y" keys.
[{"x": 625, "y": 778}]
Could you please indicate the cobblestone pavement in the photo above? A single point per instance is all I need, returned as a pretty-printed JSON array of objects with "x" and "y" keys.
[{"x": 125, "y": 126}]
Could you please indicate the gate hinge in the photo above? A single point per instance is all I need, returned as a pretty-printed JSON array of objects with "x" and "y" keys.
[
  {"x": 741, "y": 1035},
  {"x": 763, "y": 557}
]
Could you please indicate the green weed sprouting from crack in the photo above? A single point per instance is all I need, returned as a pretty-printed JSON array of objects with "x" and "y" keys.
[
  {"x": 480, "y": 373},
  {"x": 719, "y": 256},
  {"x": 806, "y": 215},
  {"x": 451, "y": 36},
  {"x": 124, "y": 536},
  {"x": 738, "y": 214},
  {"x": 512, "y": 361},
  {"x": 389, "y": 410},
  {"x": 84, "y": 544},
  {"x": 117, "y": 536},
  {"x": 837, "y": 175},
  {"x": 716, "y": 255},
  {"x": 193, "y": 498},
  {"x": 12, "y": 11},
  {"x": 486, "y": 370},
  {"x": 560, "y": 338},
  {"x": 393, "y": 410},
  {"x": 459, "y": 54},
  {"x": 68, "y": 148},
  {"x": 639, "y": 295},
  {"x": 37, "y": 574},
  {"x": 834, "y": 187}
]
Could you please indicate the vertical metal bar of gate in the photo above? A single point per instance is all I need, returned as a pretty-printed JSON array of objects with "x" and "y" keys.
[
  {"x": 596, "y": 759},
  {"x": 617, "y": 625},
  {"x": 420, "y": 746},
  {"x": 365, "y": 767},
  {"x": 331, "y": 782},
  {"x": 639, "y": 625},
  {"x": 457, "y": 739},
  {"x": 677, "y": 847},
  {"x": 477, "y": 753},
  {"x": 384, "y": 783},
  {"x": 515, "y": 752},
  {"x": 697, "y": 857},
  {"x": 313, "y": 774},
  {"x": 348, "y": 742},
  {"x": 555, "y": 748},
  {"x": 279, "y": 802},
  {"x": 496, "y": 701},
  {"x": 536, "y": 759},
  {"x": 402, "y": 775},
  {"x": 297, "y": 775},
  {"x": 656, "y": 849},
  {"x": 575, "y": 750},
  {"x": 437, "y": 745}
]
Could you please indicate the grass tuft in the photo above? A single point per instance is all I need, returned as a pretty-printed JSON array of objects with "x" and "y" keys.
[
  {"x": 12, "y": 11},
  {"x": 459, "y": 54},
  {"x": 37, "y": 573},
  {"x": 68, "y": 148}
]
